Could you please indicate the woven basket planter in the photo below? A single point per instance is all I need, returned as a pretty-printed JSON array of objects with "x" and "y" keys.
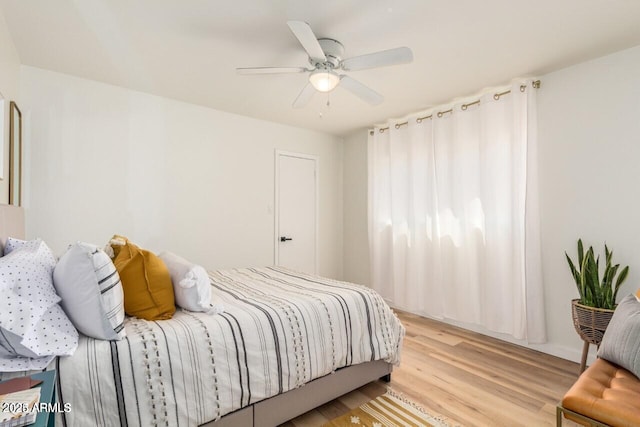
[{"x": 590, "y": 322}]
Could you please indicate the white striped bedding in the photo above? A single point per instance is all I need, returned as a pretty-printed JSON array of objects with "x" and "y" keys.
[{"x": 280, "y": 329}]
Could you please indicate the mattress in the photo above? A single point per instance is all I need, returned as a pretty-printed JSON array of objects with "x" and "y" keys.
[{"x": 279, "y": 330}]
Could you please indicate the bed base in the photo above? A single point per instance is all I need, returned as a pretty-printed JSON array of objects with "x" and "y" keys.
[{"x": 283, "y": 407}]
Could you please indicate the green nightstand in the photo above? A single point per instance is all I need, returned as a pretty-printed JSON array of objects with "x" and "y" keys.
[{"x": 47, "y": 395}]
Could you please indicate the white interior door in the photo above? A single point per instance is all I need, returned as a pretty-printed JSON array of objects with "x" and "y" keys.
[{"x": 296, "y": 211}]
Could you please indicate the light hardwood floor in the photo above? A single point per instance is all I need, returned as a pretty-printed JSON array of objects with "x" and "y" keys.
[{"x": 472, "y": 379}]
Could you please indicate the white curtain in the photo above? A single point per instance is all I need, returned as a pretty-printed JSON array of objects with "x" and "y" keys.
[{"x": 453, "y": 214}]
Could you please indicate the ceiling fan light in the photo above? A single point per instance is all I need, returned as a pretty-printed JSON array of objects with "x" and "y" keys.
[{"x": 324, "y": 80}]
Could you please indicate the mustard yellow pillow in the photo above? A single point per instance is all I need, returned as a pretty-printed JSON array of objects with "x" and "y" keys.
[{"x": 148, "y": 292}]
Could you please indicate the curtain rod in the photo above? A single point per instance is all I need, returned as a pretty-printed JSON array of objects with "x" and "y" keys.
[{"x": 463, "y": 107}]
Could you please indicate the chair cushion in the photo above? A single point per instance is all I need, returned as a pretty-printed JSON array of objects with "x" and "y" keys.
[{"x": 606, "y": 393}]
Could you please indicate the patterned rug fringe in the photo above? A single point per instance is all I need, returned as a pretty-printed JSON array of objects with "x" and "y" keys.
[
  {"x": 390, "y": 409},
  {"x": 404, "y": 399}
]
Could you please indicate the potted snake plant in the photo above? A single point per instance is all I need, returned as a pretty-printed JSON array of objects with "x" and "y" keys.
[{"x": 593, "y": 310}]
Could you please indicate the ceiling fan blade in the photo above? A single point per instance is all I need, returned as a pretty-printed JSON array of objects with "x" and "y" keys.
[
  {"x": 308, "y": 40},
  {"x": 399, "y": 55},
  {"x": 361, "y": 91},
  {"x": 305, "y": 96},
  {"x": 270, "y": 70}
]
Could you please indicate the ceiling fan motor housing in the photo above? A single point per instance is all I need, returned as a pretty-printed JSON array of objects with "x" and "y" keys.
[{"x": 333, "y": 50}]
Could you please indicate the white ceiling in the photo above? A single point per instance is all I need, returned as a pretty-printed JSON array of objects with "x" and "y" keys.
[{"x": 189, "y": 49}]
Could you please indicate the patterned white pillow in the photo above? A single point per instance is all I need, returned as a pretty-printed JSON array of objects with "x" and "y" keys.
[
  {"x": 13, "y": 243},
  {"x": 33, "y": 328},
  {"x": 91, "y": 291}
]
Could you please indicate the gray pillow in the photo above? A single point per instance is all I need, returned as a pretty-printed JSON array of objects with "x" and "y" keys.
[
  {"x": 621, "y": 341},
  {"x": 91, "y": 292}
]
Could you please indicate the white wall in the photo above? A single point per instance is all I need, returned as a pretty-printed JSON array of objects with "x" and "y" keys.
[
  {"x": 169, "y": 175},
  {"x": 589, "y": 158},
  {"x": 9, "y": 88},
  {"x": 589, "y": 164}
]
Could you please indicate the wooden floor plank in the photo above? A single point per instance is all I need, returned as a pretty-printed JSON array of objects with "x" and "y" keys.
[
  {"x": 355, "y": 399},
  {"x": 471, "y": 379},
  {"x": 333, "y": 409}
]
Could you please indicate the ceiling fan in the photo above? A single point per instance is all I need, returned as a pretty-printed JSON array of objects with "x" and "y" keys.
[{"x": 325, "y": 58}]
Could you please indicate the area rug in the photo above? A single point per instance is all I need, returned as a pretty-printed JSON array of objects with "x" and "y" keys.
[{"x": 391, "y": 409}]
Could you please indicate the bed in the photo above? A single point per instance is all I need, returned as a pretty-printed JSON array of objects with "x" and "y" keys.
[{"x": 287, "y": 342}]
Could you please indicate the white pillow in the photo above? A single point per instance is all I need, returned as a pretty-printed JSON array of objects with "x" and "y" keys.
[
  {"x": 54, "y": 335},
  {"x": 13, "y": 243},
  {"x": 191, "y": 285},
  {"x": 91, "y": 291},
  {"x": 33, "y": 328}
]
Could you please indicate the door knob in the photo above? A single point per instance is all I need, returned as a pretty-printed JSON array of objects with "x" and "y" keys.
[{"x": 284, "y": 239}]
